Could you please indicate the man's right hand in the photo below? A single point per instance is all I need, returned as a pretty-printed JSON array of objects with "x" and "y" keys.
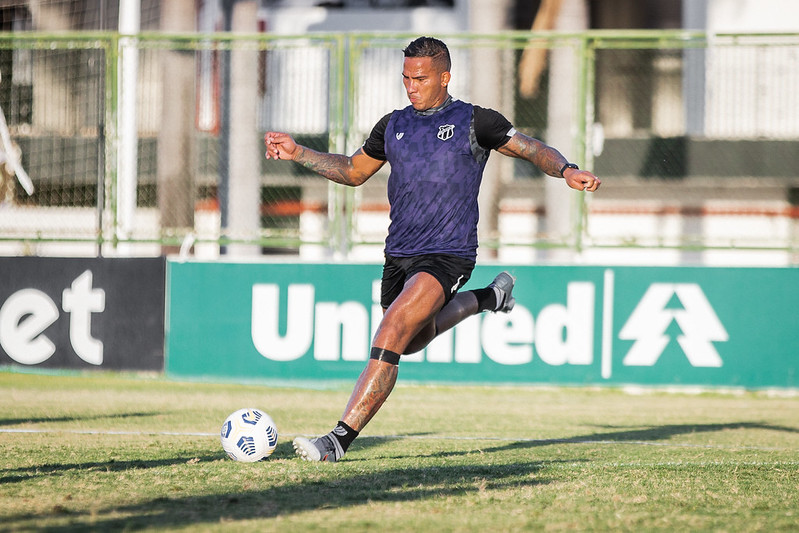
[
  {"x": 351, "y": 171},
  {"x": 280, "y": 146}
]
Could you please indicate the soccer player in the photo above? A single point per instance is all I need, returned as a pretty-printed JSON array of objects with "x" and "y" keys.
[{"x": 437, "y": 149}]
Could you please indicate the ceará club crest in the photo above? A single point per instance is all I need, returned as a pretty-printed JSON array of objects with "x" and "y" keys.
[{"x": 446, "y": 131}]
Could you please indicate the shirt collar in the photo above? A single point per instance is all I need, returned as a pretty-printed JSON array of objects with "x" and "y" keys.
[{"x": 428, "y": 112}]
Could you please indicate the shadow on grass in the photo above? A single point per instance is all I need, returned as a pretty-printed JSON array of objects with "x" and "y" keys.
[
  {"x": 14, "y": 475},
  {"x": 668, "y": 431},
  {"x": 326, "y": 486},
  {"x": 651, "y": 434},
  {"x": 6, "y": 422},
  {"x": 284, "y": 450},
  {"x": 334, "y": 491}
]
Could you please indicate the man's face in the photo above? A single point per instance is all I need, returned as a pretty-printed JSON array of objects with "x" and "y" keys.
[{"x": 425, "y": 86}]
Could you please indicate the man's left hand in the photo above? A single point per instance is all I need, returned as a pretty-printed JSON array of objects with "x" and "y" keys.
[{"x": 581, "y": 180}]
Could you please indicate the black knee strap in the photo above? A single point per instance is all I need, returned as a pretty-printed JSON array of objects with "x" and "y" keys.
[{"x": 384, "y": 355}]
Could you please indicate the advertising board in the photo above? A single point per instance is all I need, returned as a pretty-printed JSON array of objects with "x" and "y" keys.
[
  {"x": 729, "y": 327},
  {"x": 81, "y": 313}
]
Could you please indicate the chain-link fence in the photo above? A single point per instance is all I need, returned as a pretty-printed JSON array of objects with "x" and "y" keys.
[
  {"x": 53, "y": 96},
  {"x": 695, "y": 136}
]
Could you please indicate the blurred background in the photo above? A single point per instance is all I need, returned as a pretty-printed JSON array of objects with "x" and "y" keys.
[{"x": 135, "y": 128}]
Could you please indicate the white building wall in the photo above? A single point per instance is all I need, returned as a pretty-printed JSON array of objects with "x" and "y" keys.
[{"x": 757, "y": 85}]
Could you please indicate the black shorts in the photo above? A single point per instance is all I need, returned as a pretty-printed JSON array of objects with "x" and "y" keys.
[{"x": 451, "y": 271}]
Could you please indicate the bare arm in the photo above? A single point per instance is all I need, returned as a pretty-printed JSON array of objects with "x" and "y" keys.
[
  {"x": 549, "y": 161},
  {"x": 346, "y": 170}
]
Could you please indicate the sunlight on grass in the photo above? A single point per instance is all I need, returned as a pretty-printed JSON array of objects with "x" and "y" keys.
[{"x": 106, "y": 451}]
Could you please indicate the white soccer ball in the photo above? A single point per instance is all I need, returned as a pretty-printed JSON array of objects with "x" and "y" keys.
[{"x": 249, "y": 435}]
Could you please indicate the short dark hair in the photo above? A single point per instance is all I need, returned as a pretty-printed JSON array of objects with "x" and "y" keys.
[{"x": 430, "y": 47}]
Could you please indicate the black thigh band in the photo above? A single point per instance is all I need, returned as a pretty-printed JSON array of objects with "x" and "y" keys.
[{"x": 385, "y": 355}]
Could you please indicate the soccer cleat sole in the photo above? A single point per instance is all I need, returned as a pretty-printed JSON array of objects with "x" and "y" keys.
[{"x": 306, "y": 449}]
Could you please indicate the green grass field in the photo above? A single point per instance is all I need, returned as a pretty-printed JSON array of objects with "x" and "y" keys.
[{"x": 120, "y": 452}]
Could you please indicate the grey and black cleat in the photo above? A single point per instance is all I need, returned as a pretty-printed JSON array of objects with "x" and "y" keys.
[
  {"x": 324, "y": 448},
  {"x": 503, "y": 288}
]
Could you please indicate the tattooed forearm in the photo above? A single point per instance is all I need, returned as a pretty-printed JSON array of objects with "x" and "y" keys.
[
  {"x": 334, "y": 167},
  {"x": 546, "y": 158}
]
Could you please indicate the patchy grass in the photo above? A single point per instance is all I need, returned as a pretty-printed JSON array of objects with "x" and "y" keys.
[{"x": 120, "y": 452}]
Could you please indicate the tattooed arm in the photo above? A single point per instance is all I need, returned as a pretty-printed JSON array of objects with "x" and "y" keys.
[
  {"x": 352, "y": 170},
  {"x": 549, "y": 160}
]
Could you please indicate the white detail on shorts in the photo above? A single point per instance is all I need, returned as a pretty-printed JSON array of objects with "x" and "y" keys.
[{"x": 457, "y": 284}]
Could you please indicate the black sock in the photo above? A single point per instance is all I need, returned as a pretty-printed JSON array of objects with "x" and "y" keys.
[
  {"x": 344, "y": 434},
  {"x": 486, "y": 299}
]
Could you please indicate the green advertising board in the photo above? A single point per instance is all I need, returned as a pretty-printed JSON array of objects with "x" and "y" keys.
[{"x": 587, "y": 325}]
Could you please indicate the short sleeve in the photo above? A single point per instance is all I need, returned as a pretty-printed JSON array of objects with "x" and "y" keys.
[
  {"x": 491, "y": 128},
  {"x": 375, "y": 146}
]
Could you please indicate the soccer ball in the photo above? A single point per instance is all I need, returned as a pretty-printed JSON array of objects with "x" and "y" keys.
[{"x": 249, "y": 435}]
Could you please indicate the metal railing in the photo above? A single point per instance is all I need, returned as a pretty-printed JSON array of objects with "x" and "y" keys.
[{"x": 696, "y": 137}]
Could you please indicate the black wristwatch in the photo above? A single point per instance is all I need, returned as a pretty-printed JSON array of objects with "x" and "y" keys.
[{"x": 567, "y": 165}]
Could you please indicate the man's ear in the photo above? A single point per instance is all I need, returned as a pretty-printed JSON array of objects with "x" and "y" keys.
[{"x": 445, "y": 77}]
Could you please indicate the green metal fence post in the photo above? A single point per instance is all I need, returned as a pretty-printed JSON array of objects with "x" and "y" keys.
[
  {"x": 111, "y": 138},
  {"x": 583, "y": 117},
  {"x": 587, "y": 119}
]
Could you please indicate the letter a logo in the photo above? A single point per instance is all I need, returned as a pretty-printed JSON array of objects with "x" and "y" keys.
[
  {"x": 446, "y": 131},
  {"x": 653, "y": 316}
]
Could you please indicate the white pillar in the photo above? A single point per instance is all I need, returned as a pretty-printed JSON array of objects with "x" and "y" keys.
[
  {"x": 176, "y": 144},
  {"x": 488, "y": 81},
  {"x": 127, "y": 128},
  {"x": 244, "y": 217},
  {"x": 562, "y": 129},
  {"x": 694, "y": 18}
]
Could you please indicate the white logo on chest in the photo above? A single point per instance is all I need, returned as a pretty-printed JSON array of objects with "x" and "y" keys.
[{"x": 446, "y": 131}]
